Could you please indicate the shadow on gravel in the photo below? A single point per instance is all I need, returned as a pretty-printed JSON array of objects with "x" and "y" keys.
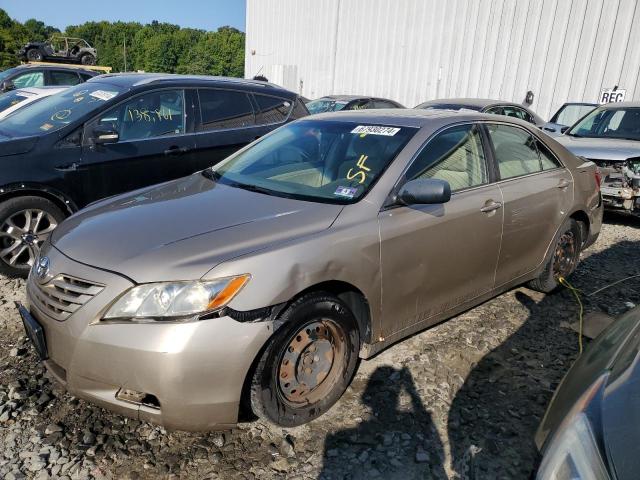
[
  {"x": 382, "y": 446},
  {"x": 494, "y": 415}
]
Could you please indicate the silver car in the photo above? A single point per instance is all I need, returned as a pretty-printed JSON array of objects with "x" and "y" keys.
[
  {"x": 609, "y": 136},
  {"x": 262, "y": 280}
]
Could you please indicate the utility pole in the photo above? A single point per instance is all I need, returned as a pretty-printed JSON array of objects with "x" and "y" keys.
[{"x": 124, "y": 43}]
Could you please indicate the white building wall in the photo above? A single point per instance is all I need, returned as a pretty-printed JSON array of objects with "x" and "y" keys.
[{"x": 416, "y": 50}]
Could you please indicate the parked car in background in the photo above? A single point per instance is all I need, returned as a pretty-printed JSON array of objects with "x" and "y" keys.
[
  {"x": 590, "y": 429},
  {"x": 117, "y": 133},
  {"x": 263, "y": 278},
  {"x": 496, "y": 107},
  {"x": 334, "y": 103},
  {"x": 567, "y": 115},
  {"x": 24, "y": 76},
  {"x": 610, "y": 137},
  {"x": 16, "y": 99},
  {"x": 59, "y": 49}
]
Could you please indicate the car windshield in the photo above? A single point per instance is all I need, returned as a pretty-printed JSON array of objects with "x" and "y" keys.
[
  {"x": 608, "y": 122},
  {"x": 323, "y": 161},
  {"x": 570, "y": 113},
  {"x": 9, "y": 99},
  {"x": 324, "y": 105},
  {"x": 6, "y": 74},
  {"x": 57, "y": 111}
]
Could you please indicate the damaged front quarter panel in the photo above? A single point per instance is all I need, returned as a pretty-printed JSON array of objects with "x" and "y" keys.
[{"x": 621, "y": 183}]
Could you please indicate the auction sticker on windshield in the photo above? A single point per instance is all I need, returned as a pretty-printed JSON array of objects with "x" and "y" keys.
[
  {"x": 103, "y": 95},
  {"x": 375, "y": 130},
  {"x": 348, "y": 192}
]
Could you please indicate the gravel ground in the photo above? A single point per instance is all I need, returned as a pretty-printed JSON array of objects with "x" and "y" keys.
[{"x": 461, "y": 400}]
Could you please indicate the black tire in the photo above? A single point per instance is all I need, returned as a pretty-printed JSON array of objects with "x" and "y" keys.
[
  {"x": 34, "y": 55},
  {"x": 564, "y": 259},
  {"x": 312, "y": 316},
  {"x": 13, "y": 207},
  {"x": 87, "y": 59}
]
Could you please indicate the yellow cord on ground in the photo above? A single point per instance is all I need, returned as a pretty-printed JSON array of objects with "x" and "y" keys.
[{"x": 576, "y": 293}]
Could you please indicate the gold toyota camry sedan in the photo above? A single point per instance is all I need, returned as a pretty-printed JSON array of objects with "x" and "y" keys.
[{"x": 261, "y": 281}]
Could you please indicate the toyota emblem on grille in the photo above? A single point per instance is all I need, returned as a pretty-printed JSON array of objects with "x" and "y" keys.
[{"x": 42, "y": 268}]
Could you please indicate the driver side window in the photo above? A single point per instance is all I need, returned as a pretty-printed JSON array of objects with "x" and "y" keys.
[
  {"x": 455, "y": 155},
  {"x": 153, "y": 114}
]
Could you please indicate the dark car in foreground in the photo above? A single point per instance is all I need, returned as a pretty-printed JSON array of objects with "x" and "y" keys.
[
  {"x": 117, "y": 133},
  {"x": 484, "y": 105},
  {"x": 335, "y": 103},
  {"x": 591, "y": 428},
  {"x": 609, "y": 136},
  {"x": 24, "y": 76},
  {"x": 261, "y": 280}
]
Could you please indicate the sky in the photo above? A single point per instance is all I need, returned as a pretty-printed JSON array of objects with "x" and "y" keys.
[{"x": 204, "y": 14}]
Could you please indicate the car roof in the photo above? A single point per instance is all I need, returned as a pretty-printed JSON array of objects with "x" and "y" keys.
[
  {"x": 61, "y": 66},
  {"x": 471, "y": 103},
  {"x": 349, "y": 98},
  {"x": 131, "y": 80},
  {"x": 409, "y": 117},
  {"x": 621, "y": 105}
]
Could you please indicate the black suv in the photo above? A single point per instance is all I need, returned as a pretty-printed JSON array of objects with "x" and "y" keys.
[
  {"x": 43, "y": 76},
  {"x": 117, "y": 133}
]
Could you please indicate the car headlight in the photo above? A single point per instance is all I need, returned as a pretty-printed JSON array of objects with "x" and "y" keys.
[
  {"x": 171, "y": 300},
  {"x": 573, "y": 453}
]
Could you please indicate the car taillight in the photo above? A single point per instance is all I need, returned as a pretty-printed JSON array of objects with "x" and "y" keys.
[{"x": 598, "y": 178}]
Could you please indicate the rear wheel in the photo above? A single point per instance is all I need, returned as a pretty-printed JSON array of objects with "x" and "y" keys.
[
  {"x": 25, "y": 223},
  {"x": 563, "y": 261},
  {"x": 309, "y": 362},
  {"x": 88, "y": 59},
  {"x": 34, "y": 55}
]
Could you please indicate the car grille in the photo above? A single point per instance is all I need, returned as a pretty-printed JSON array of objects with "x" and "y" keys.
[{"x": 62, "y": 295}]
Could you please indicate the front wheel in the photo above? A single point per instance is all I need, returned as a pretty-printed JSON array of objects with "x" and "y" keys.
[
  {"x": 564, "y": 259},
  {"x": 309, "y": 362},
  {"x": 34, "y": 55},
  {"x": 25, "y": 223}
]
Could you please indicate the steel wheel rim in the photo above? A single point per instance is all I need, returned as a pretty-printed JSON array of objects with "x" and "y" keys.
[
  {"x": 22, "y": 234},
  {"x": 312, "y": 362},
  {"x": 565, "y": 255}
]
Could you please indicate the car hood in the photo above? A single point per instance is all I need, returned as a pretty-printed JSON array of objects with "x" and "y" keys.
[
  {"x": 600, "y": 148},
  {"x": 181, "y": 229},
  {"x": 15, "y": 146}
]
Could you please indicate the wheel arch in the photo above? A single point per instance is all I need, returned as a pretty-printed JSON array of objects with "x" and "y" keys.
[
  {"x": 64, "y": 203},
  {"x": 582, "y": 218}
]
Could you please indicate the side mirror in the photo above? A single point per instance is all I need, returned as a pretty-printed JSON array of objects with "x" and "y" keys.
[
  {"x": 424, "y": 192},
  {"x": 7, "y": 86},
  {"x": 103, "y": 135},
  {"x": 563, "y": 129}
]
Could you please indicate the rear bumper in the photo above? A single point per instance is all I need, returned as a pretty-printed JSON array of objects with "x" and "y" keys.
[{"x": 195, "y": 370}]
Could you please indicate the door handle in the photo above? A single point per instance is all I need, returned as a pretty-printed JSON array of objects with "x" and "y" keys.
[
  {"x": 70, "y": 167},
  {"x": 490, "y": 206},
  {"x": 176, "y": 150},
  {"x": 564, "y": 183}
]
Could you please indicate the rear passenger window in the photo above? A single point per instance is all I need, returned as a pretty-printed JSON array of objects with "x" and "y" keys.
[
  {"x": 272, "y": 109},
  {"x": 547, "y": 158},
  {"x": 31, "y": 79},
  {"x": 224, "y": 109},
  {"x": 64, "y": 78},
  {"x": 516, "y": 151},
  {"x": 455, "y": 155},
  {"x": 383, "y": 104}
]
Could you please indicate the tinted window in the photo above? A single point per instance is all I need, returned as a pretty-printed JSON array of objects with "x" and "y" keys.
[
  {"x": 495, "y": 110},
  {"x": 299, "y": 109},
  {"x": 334, "y": 162},
  {"x": 153, "y": 114},
  {"x": 455, "y": 155},
  {"x": 222, "y": 109},
  {"x": 31, "y": 79},
  {"x": 383, "y": 104},
  {"x": 64, "y": 78},
  {"x": 516, "y": 151},
  {"x": 85, "y": 76},
  {"x": 609, "y": 123},
  {"x": 359, "y": 105},
  {"x": 272, "y": 109}
]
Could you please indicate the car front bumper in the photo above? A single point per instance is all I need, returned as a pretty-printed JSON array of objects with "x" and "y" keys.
[{"x": 195, "y": 370}]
